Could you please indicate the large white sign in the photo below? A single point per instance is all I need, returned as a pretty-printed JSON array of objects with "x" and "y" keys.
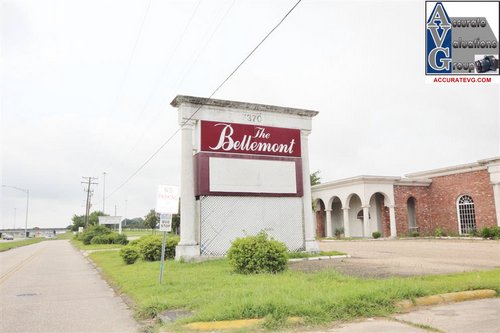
[
  {"x": 110, "y": 219},
  {"x": 167, "y": 199}
]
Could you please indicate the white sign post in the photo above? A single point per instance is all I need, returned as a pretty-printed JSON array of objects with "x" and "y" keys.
[{"x": 167, "y": 203}]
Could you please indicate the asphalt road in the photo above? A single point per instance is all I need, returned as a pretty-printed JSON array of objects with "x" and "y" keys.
[
  {"x": 385, "y": 258},
  {"x": 51, "y": 287}
]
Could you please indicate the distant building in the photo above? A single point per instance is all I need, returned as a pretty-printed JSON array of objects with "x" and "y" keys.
[{"x": 457, "y": 199}]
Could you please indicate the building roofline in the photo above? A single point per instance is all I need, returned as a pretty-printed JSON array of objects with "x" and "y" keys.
[
  {"x": 362, "y": 179},
  {"x": 201, "y": 101},
  {"x": 461, "y": 168}
]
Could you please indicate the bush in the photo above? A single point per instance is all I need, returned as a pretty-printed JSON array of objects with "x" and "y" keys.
[
  {"x": 376, "y": 234},
  {"x": 439, "y": 232},
  {"x": 414, "y": 234},
  {"x": 100, "y": 239},
  {"x": 493, "y": 232},
  {"x": 116, "y": 238},
  {"x": 258, "y": 254},
  {"x": 129, "y": 254},
  {"x": 170, "y": 246},
  {"x": 339, "y": 232},
  {"x": 150, "y": 247},
  {"x": 111, "y": 238},
  {"x": 91, "y": 232}
]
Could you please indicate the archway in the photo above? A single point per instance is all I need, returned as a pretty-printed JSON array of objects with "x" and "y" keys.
[
  {"x": 412, "y": 216},
  {"x": 355, "y": 224},
  {"x": 320, "y": 217}
]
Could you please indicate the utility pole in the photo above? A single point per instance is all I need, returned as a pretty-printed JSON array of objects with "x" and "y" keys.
[
  {"x": 88, "y": 181},
  {"x": 104, "y": 192}
]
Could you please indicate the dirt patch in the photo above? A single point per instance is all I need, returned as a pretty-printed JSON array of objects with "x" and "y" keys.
[{"x": 387, "y": 258}]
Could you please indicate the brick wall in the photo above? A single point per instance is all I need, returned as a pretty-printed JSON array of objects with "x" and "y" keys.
[
  {"x": 436, "y": 204},
  {"x": 422, "y": 209}
]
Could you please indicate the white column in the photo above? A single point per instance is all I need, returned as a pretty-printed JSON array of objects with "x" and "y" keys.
[
  {"x": 366, "y": 221},
  {"x": 188, "y": 245},
  {"x": 347, "y": 231},
  {"x": 310, "y": 240},
  {"x": 392, "y": 219},
  {"x": 496, "y": 195},
  {"x": 328, "y": 223}
]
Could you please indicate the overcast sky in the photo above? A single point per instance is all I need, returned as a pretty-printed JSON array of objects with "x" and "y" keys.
[{"x": 86, "y": 88}]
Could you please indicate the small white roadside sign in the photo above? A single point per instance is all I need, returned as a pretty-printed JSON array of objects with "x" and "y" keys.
[{"x": 166, "y": 222}]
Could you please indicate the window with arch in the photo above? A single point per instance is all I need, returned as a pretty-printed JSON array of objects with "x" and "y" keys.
[
  {"x": 412, "y": 218},
  {"x": 466, "y": 214}
]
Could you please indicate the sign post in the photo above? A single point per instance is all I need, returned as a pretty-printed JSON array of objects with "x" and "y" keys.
[{"x": 167, "y": 203}]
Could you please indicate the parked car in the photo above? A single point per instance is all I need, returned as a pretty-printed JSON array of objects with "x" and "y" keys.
[{"x": 8, "y": 237}]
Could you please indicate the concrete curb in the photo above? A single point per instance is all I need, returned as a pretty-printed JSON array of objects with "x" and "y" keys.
[
  {"x": 232, "y": 324},
  {"x": 319, "y": 258},
  {"x": 460, "y": 296}
]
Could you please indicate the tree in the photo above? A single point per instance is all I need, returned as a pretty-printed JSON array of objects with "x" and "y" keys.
[
  {"x": 151, "y": 220},
  {"x": 315, "y": 178},
  {"x": 94, "y": 217},
  {"x": 78, "y": 221},
  {"x": 135, "y": 223}
]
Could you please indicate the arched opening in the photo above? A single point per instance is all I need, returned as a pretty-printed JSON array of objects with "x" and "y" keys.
[
  {"x": 466, "y": 214},
  {"x": 320, "y": 218},
  {"x": 355, "y": 225},
  {"x": 376, "y": 213},
  {"x": 412, "y": 216},
  {"x": 337, "y": 217}
]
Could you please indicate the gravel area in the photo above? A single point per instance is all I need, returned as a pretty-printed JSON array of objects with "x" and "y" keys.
[{"x": 386, "y": 258}]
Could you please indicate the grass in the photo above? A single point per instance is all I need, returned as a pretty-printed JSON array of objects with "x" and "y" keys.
[
  {"x": 140, "y": 233},
  {"x": 297, "y": 255},
  {"x": 4, "y": 246},
  {"x": 213, "y": 292},
  {"x": 66, "y": 235},
  {"x": 82, "y": 246}
]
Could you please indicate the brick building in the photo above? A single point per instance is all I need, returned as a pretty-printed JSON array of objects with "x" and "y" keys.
[{"x": 456, "y": 199}]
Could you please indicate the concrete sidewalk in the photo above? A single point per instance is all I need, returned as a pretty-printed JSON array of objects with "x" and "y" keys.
[
  {"x": 51, "y": 287},
  {"x": 478, "y": 316}
]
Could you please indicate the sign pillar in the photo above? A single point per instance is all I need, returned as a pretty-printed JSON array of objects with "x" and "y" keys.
[
  {"x": 188, "y": 245},
  {"x": 244, "y": 170},
  {"x": 311, "y": 244}
]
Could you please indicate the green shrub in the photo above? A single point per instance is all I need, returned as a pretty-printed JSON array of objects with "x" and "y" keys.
[
  {"x": 376, "y": 234},
  {"x": 440, "y": 232},
  {"x": 474, "y": 233},
  {"x": 339, "y": 232},
  {"x": 100, "y": 239},
  {"x": 150, "y": 247},
  {"x": 493, "y": 232},
  {"x": 111, "y": 238},
  {"x": 170, "y": 246},
  {"x": 258, "y": 254},
  {"x": 116, "y": 238},
  {"x": 129, "y": 254},
  {"x": 414, "y": 234},
  {"x": 91, "y": 232}
]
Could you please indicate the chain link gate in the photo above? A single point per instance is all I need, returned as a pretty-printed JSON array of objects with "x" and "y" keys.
[{"x": 224, "y": 218}]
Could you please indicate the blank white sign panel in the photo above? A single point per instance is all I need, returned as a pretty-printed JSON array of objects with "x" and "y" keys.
[{"x": 252, "y": 176}]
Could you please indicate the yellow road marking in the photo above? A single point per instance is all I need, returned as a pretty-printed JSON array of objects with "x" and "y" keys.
[{"x": 19, "y": 266}]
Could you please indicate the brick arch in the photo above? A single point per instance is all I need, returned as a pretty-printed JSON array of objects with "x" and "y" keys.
[{"x": 320, "y": 215}]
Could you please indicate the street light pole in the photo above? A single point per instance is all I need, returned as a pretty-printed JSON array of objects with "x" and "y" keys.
[{"x": 27, "y": 191}]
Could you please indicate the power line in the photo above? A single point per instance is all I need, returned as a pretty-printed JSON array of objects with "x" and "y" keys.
[
  {"x": 129, "y": 64},
  {"x": 207, "y": 99}
]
